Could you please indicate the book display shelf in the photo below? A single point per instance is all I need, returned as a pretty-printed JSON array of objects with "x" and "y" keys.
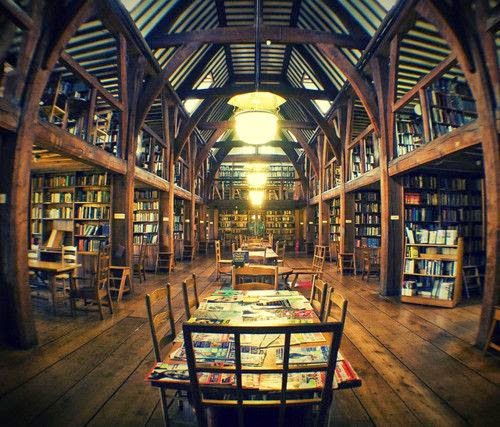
[
  {"x": 70, "y": 209},
  {"x": 409, "y": 130},
  {"x": 335, "y": 219},
  {"x": 433, "y": 202},
  {"x": 432, "y": 272},
  {"x": 146, "y": 223},
  {"x": 372, "y": 155},
  {"x": 355, "y": 162},
  {"x": 232, "y": 223},
  {"x": 367, "y": 219}
]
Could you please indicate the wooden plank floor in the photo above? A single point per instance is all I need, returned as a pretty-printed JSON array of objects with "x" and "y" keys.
[{"x": 417, "y": 363}]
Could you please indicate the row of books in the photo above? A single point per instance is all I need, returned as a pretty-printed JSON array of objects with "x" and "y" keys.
[
  {"x": 149, "y": 239},
  {"x": 280, "y": 224},
  {"x": 56, "y": 181},
  {"x": 94, "y": 179},
  {"x": 89, "y": 245},
  {"x": 92, "y": 212},
  {"x": 365, "y": 230},
  {"x": 429, "y": 288},
  {"x": 36, "y": 227},
  {"x": 422, "y": 214},
  {"x": 233, "y": 224},
  {"x": 59, "y": 213},
  {"x": 145, "y": 194},
  {"x": 58, "y": 198},
  {"x": 421, "y": 199},
  {"x": 147, "y": 206},
  {"x": 461, "y": 215},
  {"x": 93, "y": 196},
  {"x": 364, "y": 207},
  {"x": 430, "y": 267},
  {"x": 146, "y": 216},
  {"x": 37, "y": 182},
  {"x": 145, "y": 228},
  {"x": 434, "y": 182},
  {"x": 37, "y": 197},
  {"x": 92, "y": 229},
  {"x": 367, "y": 242},
  {"x": 438, "y": 237},
  {"x": 366, "y": 218},
  {"x": 36, "y": 212}
]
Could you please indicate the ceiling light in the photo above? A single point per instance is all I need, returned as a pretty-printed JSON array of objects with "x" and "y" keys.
[
  {"x": 256, "y": 179},
  {"x": 256, "y": 120},
  {"x": 256, "y": 197}
]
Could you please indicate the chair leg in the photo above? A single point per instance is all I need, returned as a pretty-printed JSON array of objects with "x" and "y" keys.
[
  {"x": 164, "y": 406},
  {"x": 99, "y": 305},
  {"x": 110, "y": 301}
]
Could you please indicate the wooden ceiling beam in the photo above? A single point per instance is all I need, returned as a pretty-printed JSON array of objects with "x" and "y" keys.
[
  {"x": 221, "y": 15},
  {"x": 278, "y": 35},
  {"x": 231, "y": 90},
  {"x": 294, "y": 18},
  {"x": 16, "y": 14}
]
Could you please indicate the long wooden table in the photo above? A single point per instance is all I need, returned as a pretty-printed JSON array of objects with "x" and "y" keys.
[
  {"x": 52, "y": 269},
  {"x": 265, "y": 255},
  {"x": 177, "y": 377}
]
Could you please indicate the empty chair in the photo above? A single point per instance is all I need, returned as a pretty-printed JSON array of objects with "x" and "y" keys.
[
  {"x": 333, "y": 251},
  {"x": 255, "y": 277},
  {"x": 190, "y": 294},
  {"x": 69, "y": 255},
  {"x": 162, "y": 327},
  {"x": 370, "y": 264},
  {"x": 280, "y": 402},
  {"x": 335, "y": 307},
  {"x": 222, "y": 266},
  {"x": 164, "y": 260},
  {"x": 97, "y": 288},
  {"x": 319, "y": 291},
  {"x": 316, "y": 267},
  {"x": 280, "y": 250},
  {"x": 346, "y": 262}
]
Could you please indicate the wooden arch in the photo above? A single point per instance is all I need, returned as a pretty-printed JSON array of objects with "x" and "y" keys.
[{"x": 472, "y": 64}]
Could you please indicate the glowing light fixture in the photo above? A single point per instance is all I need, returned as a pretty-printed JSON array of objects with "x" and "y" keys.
[
  {"x": 257, "y": 179},
  {"x": 256, "y": 120},
  {"x": 256, "y": 197}
]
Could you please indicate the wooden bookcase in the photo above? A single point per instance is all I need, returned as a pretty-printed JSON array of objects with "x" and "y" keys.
[
  {"x": 367, "y": 219},
  {"x": 432, "y": 274},
  {"x": 178, "y": 227},
  {"x": 335, "y": 219},
  {"x": 71, "y": 209},
  {"x": 146, "y": 223},
  {"x": 232, "y": 223},
  {"x": 433, "y": 202},
  {"x": 281, "y": 223}
]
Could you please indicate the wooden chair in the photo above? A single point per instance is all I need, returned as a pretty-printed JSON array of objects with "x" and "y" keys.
[
  {"x": 471, "y": 279},
  {"x": 203, "y": 400},
  {"x": 316, "y": 268},
  {"x": 98, "y": 289},
  {"x": 346, "y": 262},
  {"x": 55, "y": 107},
  {"x": 164, "y": 259},
  {"x": 122, "y": 275},
  {"x": 258, "y": 275},
  {"x": 222, "y": 266},
  {"x": 139, "y": 263},
  {"x": 280, "y": 251},
  {"x": 69, "y": 255},
  {"x": 162, "y": 327},
  {"x": 494, "y": 323},
  {"x": 371, "y": 263},
  {"x": 335, "y": 307},
  {"x": 318, "y": 296},
  {"x": 190, "y": 303}
]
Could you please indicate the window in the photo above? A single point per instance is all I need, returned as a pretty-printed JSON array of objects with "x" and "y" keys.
[
  {"x": 322, "y": 105},
  {"x": 193, "y": 103}
]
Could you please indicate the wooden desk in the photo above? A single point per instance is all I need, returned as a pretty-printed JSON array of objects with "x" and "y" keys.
[
  {"x": 303, "y": 314},
  {"x": 266, "y": 255},
  {"x": 52, "y": 269}
]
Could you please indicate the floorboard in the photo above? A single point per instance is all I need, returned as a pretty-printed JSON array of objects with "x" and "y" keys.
[{"x": 417, "y": 363}]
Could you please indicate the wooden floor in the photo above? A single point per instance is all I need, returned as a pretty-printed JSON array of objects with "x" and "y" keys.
[{"x": 417, "y": 363}]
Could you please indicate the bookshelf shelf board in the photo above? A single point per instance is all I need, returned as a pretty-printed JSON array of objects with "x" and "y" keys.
[
  {"x": 69, "y": 188},
  {"x": 92, "y": 219},
  {"x": 92, "y": 203},
  {"x": 93, "y": 187},
  {"x": 93, "y": 236},
  {"x": 427, "y": 301},
  {"x": 56, "y": 219},
  {"x": 442, "y": 276},
  {"x": 57, "y": 203},
  {"x": 439, "y": 257}
]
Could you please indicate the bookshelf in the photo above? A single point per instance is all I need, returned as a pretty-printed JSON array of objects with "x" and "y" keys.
[
  {"x": 335, "y": 219},
  {"x": 367, "y": 219},
  {"x": 409, "y": 132},
  {"x": 451, "y": 105},
  {"x": 355, "y": 162},
  {"x": 70, "y": 209},
  {"x": 232, "y": 223},
  {"x": 146, "y": 223},
  {"x": 432, "y": 272},
  {"x": 435, "y": 202},
  {"x": 281, "y": 223},
  {"x": 372, "y": 156}
]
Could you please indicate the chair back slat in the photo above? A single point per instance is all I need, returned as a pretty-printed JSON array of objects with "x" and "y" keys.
[
  {"x": 162, "y": 320},
  {"x": 336, "y": 307},
  {"x": 258, "y": 275},
  {"x": 190, "y": 302},
  {"x": 69, "y": 254},
  {"x": 319, "y": 293},
  {"x": 285, "y": 397}
]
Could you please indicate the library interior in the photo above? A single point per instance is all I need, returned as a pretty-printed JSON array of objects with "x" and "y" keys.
[{"x": 249, "y": 212}]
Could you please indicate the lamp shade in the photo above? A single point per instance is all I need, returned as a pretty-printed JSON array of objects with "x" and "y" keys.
[{"x": 255, "y": 119}]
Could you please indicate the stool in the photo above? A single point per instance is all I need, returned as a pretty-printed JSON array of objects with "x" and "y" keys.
[
  {"x": 164, "y": 259},
  {"x": 346, "y": 262},
  {"x": 494, "y": 322},
  {"x": 124, "y": 277}
]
